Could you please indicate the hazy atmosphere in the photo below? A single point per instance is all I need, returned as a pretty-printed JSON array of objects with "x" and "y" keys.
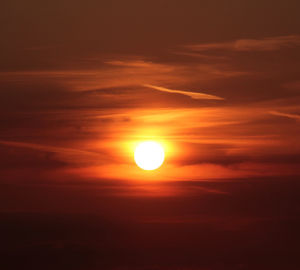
[{"x": 216, "y": 84}]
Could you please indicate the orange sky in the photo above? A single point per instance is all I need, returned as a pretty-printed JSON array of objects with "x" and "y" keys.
[
  {"x": 217, "y": 83},
  {"x": 218, "y": 117}
]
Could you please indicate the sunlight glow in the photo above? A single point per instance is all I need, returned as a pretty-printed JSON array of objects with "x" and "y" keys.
[{"x": 149, "y": 155}]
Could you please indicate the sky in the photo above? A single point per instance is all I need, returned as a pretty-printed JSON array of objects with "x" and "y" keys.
[{"x": 216, "y": 83}]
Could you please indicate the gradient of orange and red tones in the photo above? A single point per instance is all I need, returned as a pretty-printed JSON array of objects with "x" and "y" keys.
[{"x": 217, "y": 83}]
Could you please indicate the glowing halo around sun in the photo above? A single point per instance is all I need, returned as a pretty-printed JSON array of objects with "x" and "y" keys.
[{"x": 149, "y": 155}]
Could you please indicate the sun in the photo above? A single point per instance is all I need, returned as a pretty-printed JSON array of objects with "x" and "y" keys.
[{"x": 149, "y": 155}]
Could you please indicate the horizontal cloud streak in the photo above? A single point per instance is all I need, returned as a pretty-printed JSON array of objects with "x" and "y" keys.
[
  {"x": 66, "y": 154},
  {"x": 193, "y": 95},
  {"x": 288, "y": 115},
  {"x": 265, "y": 44}
]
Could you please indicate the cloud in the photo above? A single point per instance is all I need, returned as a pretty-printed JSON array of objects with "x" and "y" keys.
[
  {"x": 66, "y": 154},
  {"x": 193, "y": 95},
  {"x": 264, "y": 44},
  {"x": 130, "y": 63},
  {"x": 46, "y": 148},
  {"x": 293, "y": 85},
  {"x": 116, "y": 73},
  {"x": 288, "y": 115}
]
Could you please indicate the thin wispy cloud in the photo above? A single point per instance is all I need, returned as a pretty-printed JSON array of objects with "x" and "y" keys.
[
  {"x": 130, "y": 63},
  {"x": 264, "y": 44},
  {"x": 193, "y": 95},
  {"x": 67, "y": 154},
  {"x": 288, "y": 115}
]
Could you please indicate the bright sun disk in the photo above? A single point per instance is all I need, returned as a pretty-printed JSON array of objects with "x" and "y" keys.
[{"x": 149, "y": 155}]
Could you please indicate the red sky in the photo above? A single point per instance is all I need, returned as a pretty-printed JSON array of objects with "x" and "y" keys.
[{"x": 217, "y": 83}]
